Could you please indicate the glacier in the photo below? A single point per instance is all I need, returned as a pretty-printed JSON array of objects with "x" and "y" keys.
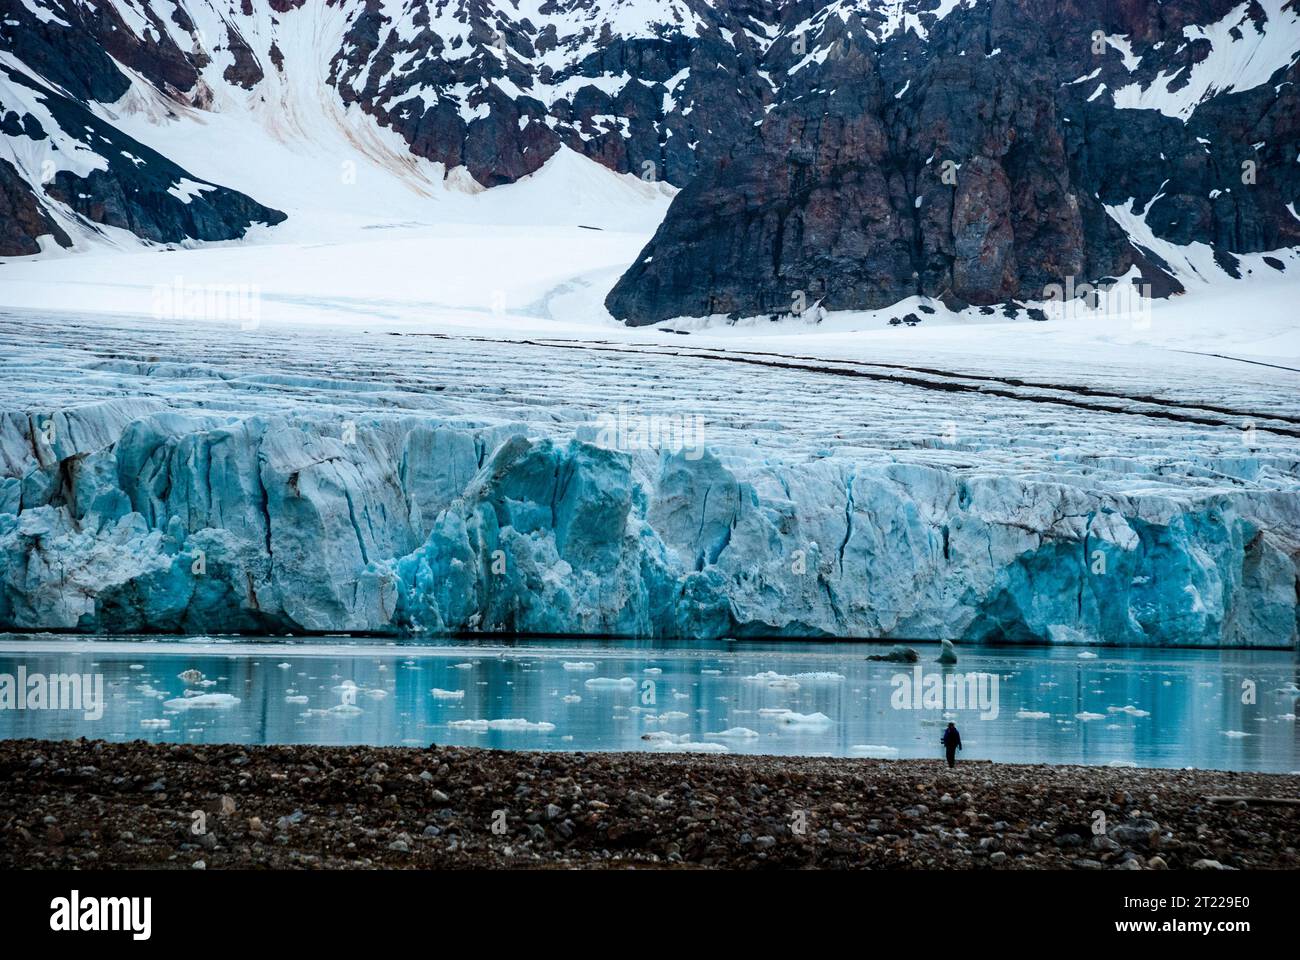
[{"x": 384, "y": 485}]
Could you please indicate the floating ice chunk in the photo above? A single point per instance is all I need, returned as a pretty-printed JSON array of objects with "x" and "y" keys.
[
  {"x": 376, "y": 694},
  {"x": 582, "y": 665},
  {"x": 712, "y": 672},
  {"x": 735, "y": 733},
  {"x": 1086, "y": 655},
  {"x": 663, "y": 736},
  {"x": 654, "y": 671},
  {"x": 1032, "y": 715},
  {"x": 202, "y": 701},
  {"x": 136, "y": 666},
  {"x": 1085, "y": 715},
  {"x": 689, "y": 747},
  {"x": 440, "y": 694},
  {"x": 344, "y": 710},
  {"x": 610, "y": 683},
  {"x": 1131, "y": 710},
  {"x": 1236, "y": 734},
  {"x": 518, "y": 724},
  {"x": 572, "y": 698},
  {"x": 283, "y": 666},
  {"x": 297, "y": 698},
  {"x": 772, "y": 678},
  {"x": 872, "y": 750},
  {"x": 148, "y": 691},
  {"x": 162, "y": 723},
  {"x": 672, "y": 715},
  {"x": 190, "y": 676},
  {"x": 793, "y": 719},
  {"x": 947, "y": 653},
  {"x": 462, "y": 666}
]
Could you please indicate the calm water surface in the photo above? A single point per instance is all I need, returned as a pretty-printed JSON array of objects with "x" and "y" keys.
[{"x": 1167, "y": 708}]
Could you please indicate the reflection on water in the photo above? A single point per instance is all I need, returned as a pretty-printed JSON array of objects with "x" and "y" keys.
[{"x": 1168, "y": 708}]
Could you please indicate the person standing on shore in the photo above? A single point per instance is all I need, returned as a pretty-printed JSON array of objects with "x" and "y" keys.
[{"x": 951, "y": 741}]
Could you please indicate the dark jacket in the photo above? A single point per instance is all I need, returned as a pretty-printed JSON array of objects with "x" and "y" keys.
[{"x": 951, "y": 739}]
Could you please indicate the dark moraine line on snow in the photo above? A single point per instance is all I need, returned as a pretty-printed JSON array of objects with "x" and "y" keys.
[
  {"x": 1045, "y": 385},
  {"x": 948, "y": 386},
  {"x": 1255, "y": 363}
]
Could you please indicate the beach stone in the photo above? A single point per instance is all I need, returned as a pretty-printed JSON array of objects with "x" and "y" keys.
[{"x": 1141, "y": 832}]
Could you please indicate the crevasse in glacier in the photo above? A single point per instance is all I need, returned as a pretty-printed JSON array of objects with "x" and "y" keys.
[{"x": 125, "y": 515}]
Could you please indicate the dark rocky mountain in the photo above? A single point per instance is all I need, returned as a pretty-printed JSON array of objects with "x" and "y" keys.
[
  {"x": 1028, "y": 106},
  {"x": 63, "y": 167},
  {"x": 858, "y": 151}
]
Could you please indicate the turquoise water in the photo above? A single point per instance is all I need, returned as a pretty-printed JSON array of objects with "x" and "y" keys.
[{"x": 1169, "y": 708}]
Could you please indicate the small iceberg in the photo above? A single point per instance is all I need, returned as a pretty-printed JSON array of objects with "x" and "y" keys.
[
  {"x": 202, "y": 701},
  {"x": 664, "y": 746},
  {"x": 1089, "y": 716},
  {"x": 872, "y": 750},
  {"x": 790, "y": 718},
  {"x": 735, "y": 733},
  {"x": 440, "y": 694},
  {"x": 947, "y": 653},
  {"x": 161, "y": 723},
  {"x": 610, "y": 683},
  {"x": 518, "y": 724},
  {"x": 578, "y": 665},
  {"x": 1131, "y": 710},
  {"x": 1033, "y": 715},
  {"x": 663, "y": 736}
]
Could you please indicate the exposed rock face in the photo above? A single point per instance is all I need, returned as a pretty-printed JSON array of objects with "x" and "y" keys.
[
  {"x": 653, "y": 89},
  {"x": 22, "y": 218},
  {"x": 984, "y": 162}
]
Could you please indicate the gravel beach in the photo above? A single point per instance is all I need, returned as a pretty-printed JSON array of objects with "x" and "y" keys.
[{"x": 92, "y": 804}]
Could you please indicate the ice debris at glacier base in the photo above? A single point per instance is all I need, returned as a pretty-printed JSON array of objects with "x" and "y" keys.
[{"x": 141, "y": 518}]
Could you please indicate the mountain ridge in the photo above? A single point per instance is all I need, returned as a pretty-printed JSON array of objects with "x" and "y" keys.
[{"x": 814, "y": 141}]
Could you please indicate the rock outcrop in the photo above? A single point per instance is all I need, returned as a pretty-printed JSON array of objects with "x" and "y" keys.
[{"x": 986, "y": 160}]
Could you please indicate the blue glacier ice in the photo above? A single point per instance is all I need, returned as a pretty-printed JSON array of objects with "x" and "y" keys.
[{"x": 128, "y": 514}]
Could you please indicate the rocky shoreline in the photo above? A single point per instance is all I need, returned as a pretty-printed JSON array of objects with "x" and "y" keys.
[{"x": 95, "y": 805}]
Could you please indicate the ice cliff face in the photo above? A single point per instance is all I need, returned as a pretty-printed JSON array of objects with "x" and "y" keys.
[{"x": 126, "y": 515}]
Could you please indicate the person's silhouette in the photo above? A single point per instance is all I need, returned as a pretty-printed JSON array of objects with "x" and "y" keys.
[{"x": 951, "y": 741}]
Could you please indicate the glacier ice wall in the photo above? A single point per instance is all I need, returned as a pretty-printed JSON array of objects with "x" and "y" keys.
[{"x": 125, "y": 515}]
